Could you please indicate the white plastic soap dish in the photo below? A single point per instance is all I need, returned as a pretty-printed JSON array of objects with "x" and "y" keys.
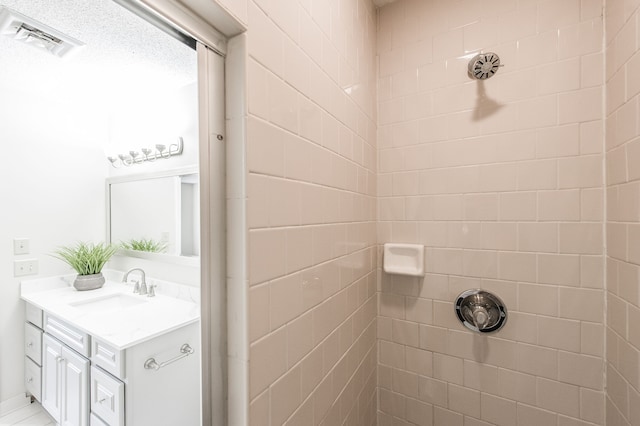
[{"x": 404, "y": 259}]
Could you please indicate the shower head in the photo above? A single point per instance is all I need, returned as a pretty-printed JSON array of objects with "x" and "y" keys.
[{"x": 484, "y": 65}]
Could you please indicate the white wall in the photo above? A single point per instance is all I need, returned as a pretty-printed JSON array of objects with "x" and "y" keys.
[
  {"x": 157, "y": 117},
  {"x": 51, "y": 183}
]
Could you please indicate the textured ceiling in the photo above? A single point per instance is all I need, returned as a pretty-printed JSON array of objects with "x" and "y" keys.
[{"x": 122, "y": 52}]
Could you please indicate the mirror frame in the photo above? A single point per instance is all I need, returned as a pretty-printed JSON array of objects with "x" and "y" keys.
[{"x": 159, "y": 257}]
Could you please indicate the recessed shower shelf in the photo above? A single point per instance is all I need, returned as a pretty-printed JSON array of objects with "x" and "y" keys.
[{"x": 404, "y": 259}]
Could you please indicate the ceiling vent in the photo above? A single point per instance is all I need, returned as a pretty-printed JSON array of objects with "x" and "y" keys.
[{"x": 29, "y": 31}]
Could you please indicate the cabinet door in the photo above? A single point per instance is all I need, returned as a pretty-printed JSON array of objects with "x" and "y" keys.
[
  {"x": 107, "y": 397},
  {"x": 51, "y": 383},
  {"x": 75, "y": 389}
]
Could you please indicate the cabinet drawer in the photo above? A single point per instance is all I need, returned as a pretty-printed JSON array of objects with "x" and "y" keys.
[
  {"x": 33, "y": 343},
  {"x": 67, "y": 334},
  {"x": 95, "y": 421},
  {"x": 107, "y": 397},
  {"x": 107, "y": 358},
  {"x": 32, "y": 378},
  {"x": 34, "y": 315}
]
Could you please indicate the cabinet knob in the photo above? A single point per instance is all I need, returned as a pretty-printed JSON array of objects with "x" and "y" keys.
[
  {"x": 30, "y": 380},
  {"x": 102, "y": 400},
  {"x": 30, "y": 344},
  {"x": 59, "y": 359}
]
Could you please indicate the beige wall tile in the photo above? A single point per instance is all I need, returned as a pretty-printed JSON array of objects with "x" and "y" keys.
[
  {"x": 591, "y": 342},
  {"x": 592, "y": 405},
  {"x": 267, "y": 255},
  {"x": 580, "y": 370},
  {"x": 537, "y": 175},
  {"x": 518, "y": 206},
  {"x": 444, "y": 417},
  {"x": 259, "y": 409},
  {"x": 585, "y": 238},
  {"x": 538, "y": 237},
  {"x": 405, "y": 383},
  {"x": 419, "y": 413},
  {"x": 432, "y": 391},
  {"x": 286, "y": 298},
  {"x": 433, "y": 338},
  {"x": 448, "y": 368},
  {"x": 580, "y": 105},
  {"x": 499, "y": 236},
  {"x": 268, "y": 361},
  {"x": 559, "y": 269},
  {"x": 582, "y": 304},
  {"x": 480, "y": 377},
  {"x": 533, "y": 416},
  {"x": 558, "y": 397},
  {"x": 419, "y": 361},
  {"x": 559, "y": 205},
  {"x": 517, "y": 266},
  {"x": 464, "y": 400},
  {"x": 538, "y": 299},
  {"x": 538, "y": 361},
  {"x": 559, "y": 333},
  {"x": 580, "y": 172},
  {"x": 516, "y": 385},
  {"x": 419, "y": 310},
  {"x": 285, "y": 396},
  {"x": 405, "y": 333},
  {"x": 498, "y": 411},
  {"x": 259, "y": 323},
  {"x": 591, "y": 271},
  {"x": 299, "y": 340}
]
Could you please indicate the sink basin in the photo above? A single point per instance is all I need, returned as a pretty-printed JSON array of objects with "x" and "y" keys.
[{"x": 108, "y": 303}]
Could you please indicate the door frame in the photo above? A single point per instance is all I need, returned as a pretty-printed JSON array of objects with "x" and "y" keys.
[{"x": 211, "y": 24}]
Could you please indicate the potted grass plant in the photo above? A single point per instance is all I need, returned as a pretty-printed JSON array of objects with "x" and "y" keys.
[{"x": 87, "y": 259}]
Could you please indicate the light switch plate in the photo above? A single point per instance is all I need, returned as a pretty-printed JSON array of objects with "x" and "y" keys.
[
  {"x": 25, "y": 267},
  {"x": 20, "y": 246}
]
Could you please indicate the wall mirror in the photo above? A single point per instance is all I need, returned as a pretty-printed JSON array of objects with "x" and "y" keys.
[{"x": 155, "y": 215}]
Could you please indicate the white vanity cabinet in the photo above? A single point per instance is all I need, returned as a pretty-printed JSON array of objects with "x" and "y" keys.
[
  {"x": 65, "y": 381},
  {"x": 85, "y": 381}
]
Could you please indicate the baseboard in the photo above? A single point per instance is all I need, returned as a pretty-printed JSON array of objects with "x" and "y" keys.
[{"x": 11, "y": 404}]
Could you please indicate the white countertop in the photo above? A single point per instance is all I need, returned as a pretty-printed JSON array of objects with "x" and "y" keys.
[{"x": 120, "y": 327}]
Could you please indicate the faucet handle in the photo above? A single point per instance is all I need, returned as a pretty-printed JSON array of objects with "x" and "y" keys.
[
  {"x": 136, "y": 287},
  {"x": 143, "y": 288},
  {"x": 152, "y": 290}
]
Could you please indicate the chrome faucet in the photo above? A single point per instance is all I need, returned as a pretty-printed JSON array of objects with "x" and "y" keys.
[{"x": 142, "y": 289}]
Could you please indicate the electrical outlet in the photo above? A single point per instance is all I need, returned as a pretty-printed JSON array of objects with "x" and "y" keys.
[
  {"x": 20, "y": 246},
  {"x": 25, "y": 267}
]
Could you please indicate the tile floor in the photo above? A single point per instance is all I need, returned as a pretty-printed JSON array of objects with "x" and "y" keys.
[{"x": 31, "y": 415}]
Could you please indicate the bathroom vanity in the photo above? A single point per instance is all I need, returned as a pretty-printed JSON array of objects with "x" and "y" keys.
[{"x": 111, "y": 357}]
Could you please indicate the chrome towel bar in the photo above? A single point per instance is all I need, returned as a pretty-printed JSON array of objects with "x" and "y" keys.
[{"x": 152, "y": 364}]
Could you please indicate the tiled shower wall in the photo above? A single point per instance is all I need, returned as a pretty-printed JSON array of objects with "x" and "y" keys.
[
  {"x": 502, "y": 181},
  {"x": 623, "y": 213},
  {"x": 311, "y": 154}
]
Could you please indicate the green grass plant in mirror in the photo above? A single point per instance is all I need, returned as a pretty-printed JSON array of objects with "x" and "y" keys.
[
  {"x": 148, "y": 245},
  {"x": 86, "y": 258}
]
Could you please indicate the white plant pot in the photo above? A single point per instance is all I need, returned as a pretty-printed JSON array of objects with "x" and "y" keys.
[{"x": 88, "y": 282}]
